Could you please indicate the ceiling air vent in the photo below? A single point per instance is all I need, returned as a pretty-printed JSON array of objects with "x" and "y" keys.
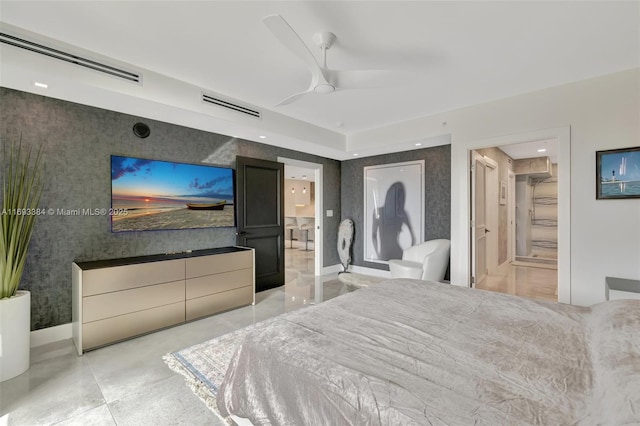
[
  {"x": 228, "y": 105},
  {"x": 69, "y": 57}
]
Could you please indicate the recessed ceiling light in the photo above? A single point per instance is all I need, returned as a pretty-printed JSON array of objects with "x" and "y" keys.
[
  {"x": 542, "y": 150},
  {"x": 262, "y": 137},
  {"x": 41, "y": 85},
  {"x": 418, "y": 144},
  {"x": 355, "y": 154}
]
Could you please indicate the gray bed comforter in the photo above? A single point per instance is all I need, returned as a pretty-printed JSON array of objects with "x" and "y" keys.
[{"x": 407, "y": 352}]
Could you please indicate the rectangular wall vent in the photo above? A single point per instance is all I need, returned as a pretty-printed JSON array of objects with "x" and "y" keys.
[
  {"x": 228, "y": 105},
  {"x": 69, "y": 57}
]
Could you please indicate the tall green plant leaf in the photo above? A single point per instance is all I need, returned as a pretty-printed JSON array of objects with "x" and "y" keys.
[{"x": 21, "y": 192}]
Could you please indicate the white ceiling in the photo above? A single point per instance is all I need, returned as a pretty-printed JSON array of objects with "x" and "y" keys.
[
  {"x": 460, "y": 53},
  {"x": 533, "y": 149},
  {"x": 298, "y": 173}
]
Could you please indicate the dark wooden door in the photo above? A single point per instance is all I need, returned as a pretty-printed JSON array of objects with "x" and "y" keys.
[{"x": 260, "y": 217}]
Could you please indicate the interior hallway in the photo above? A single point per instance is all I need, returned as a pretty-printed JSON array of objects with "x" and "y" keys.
[{"x": 540, "y": 283}]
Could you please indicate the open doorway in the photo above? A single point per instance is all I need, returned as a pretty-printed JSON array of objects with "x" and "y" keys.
[
  {"x": 303, "y": 216},
  {"x": 300, "y": 218},
  {"x": 461, "y": 197},
  {"x": 517, "y": 186}
]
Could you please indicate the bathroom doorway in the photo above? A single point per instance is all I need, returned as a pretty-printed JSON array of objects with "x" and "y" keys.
[{"x": 524, "y": 212}]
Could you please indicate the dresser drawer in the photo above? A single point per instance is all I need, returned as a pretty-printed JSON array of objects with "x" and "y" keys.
[
  {"x": 99, "y": 333},
  {"x": 108, "y": 305},
  {"x": 207, "y": 265},
  {"x": 210, "y": 284},
  {"x": 105, "y": 280},
  {"x": 209, "y": 305}
]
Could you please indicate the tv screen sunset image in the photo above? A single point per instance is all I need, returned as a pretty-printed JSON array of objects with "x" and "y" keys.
[{"x": 161, "y": 195}]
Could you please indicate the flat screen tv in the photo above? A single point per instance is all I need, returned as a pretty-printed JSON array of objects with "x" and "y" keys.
[{"x": 161, "y": 195}]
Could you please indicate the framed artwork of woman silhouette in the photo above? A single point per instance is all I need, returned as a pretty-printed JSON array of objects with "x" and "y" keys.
[{"x": 393, "y": 209}]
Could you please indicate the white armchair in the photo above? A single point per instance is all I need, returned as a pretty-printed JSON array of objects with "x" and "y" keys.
[{"x": 426, "y": 261}]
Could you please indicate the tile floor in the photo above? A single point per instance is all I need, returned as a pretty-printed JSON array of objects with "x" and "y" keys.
[
  {"x": 128, "y": 383},
  {"x": 539, "y": 283}
]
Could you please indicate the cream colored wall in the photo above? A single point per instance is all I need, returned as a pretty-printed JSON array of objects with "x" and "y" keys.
[
  {"x": 307, "y": 210},
  {"x": 290, "y": 200},
  {"x": 602, "y": 113}
]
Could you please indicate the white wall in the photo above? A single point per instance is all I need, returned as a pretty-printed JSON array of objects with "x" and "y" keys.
[{"x": 603, "y": 113}]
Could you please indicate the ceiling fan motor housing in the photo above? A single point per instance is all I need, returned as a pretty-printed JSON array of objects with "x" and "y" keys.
[{"x": 324, "y": 39}]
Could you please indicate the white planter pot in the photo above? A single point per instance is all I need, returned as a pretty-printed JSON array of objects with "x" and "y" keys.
[{"x": 15, "y": 335}]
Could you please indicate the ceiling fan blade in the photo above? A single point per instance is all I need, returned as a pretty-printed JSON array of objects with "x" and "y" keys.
[
  {"x": 287, "y": 36},
  {"x": 294, "y": 98},
  {"x": 369, "y": 79}
]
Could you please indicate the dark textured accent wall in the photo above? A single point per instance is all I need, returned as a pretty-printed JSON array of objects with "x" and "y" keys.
[
  {"x": 78, "y": 141},
  {"x": 437, "y": 213}
]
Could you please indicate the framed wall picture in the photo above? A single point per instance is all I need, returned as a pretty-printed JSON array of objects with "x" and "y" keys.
[
  {"x": 393, "y": 209},
  {"x": 618, "y": 173},
  {"x": 503, "y": 192}
]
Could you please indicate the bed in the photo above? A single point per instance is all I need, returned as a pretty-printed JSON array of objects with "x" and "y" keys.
[{"x": 409, "y": 352}]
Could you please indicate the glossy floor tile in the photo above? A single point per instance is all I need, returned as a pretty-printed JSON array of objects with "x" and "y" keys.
[
  {"x": 539, "y": 283},
  {"x": 57, "y": 386},
  {"x": 128, "y": 383}
]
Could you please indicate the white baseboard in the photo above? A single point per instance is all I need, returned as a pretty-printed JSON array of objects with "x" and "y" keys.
[
  {"x": 369, "y": 271},
  {"x": 356, "y": 269},
  {"x": 50, "y": 335},
  {"x": 333, "y": 269}
]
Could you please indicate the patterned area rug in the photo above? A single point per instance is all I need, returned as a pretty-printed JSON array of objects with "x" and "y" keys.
[{"x": 205, "y": 364}]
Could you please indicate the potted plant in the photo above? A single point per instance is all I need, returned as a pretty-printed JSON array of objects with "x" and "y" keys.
[{"x": 21, "y": 190}]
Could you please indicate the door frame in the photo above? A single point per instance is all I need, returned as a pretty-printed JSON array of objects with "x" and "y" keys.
[
  {"x": 492, "y": 202},
  {"x": 511, "y": 216},
  {"x": 319, "y": 194},
  {"x": 460, "y": 203}
]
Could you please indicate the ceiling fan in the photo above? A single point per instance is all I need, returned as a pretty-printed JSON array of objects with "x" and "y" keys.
[{"x": 323, "y": 79}]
